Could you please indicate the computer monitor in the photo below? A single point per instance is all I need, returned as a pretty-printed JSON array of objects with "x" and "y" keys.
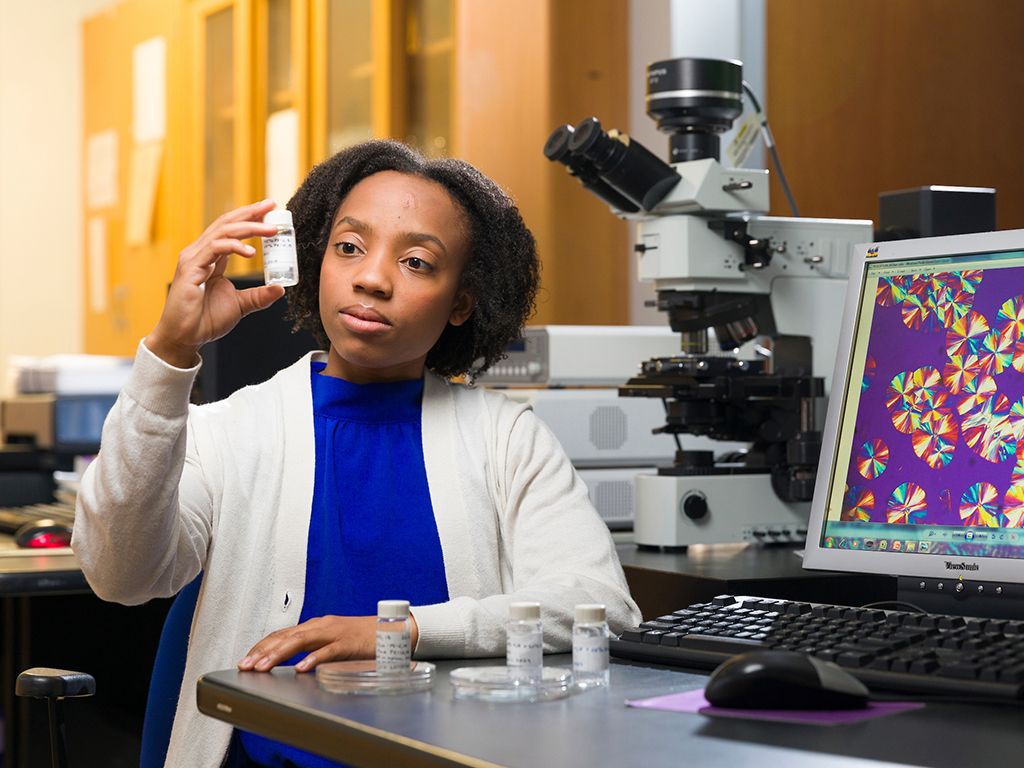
[{"x": 922, "y": 464}]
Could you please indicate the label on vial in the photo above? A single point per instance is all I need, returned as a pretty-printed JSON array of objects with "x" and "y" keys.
[
  {"x": 525, "y": 650},
  {"x": 279, "y": 250},
  {"x": 590, "y": 654},
  {"x": 394, "y": 652}
]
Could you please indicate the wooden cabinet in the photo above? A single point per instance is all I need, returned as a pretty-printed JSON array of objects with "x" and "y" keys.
[
  {"x": 260, "y": 90},
  {"x": 126, "y": 278}
]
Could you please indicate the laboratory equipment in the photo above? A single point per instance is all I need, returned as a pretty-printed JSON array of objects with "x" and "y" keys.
[{"x": 754, "y": 298}]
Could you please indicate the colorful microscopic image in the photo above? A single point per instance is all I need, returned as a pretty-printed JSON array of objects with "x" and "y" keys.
[
  {"x": 939, "y": 436},
  {"x": 858, "y": 503},
  {"x": 980, "y": 505},
  {"x": 869, "y": 373},
  {"x": 872, "y": 458},
  {"x": 908, "y": 504}
]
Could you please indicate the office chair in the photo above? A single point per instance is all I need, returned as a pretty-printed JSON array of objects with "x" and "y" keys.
[{"x": 161, "y": 703}]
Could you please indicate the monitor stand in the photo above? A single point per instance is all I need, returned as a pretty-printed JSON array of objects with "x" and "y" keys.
[{"x": 960, "y": 597}]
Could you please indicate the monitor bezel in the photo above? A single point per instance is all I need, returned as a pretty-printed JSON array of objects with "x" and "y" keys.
[{"x": 819, "y": 557}]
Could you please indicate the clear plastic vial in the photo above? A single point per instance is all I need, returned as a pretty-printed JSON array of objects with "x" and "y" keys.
[
  {"x": 280, "y": 261},
  {"x": 524, "y": 642},
  {"x": 590, "y": 646},
  {"x": 394, "y": 637}
]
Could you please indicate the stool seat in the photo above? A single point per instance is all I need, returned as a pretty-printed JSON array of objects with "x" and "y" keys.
[{"x": 47, "y": 683}]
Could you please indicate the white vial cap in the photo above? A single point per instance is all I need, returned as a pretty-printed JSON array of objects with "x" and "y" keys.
[
  {"x": 524, "y": 611},
  {"x": 393, "y": 609},
  {"x": 590, "y": 612},
  {"x": 279, "y": 217}
]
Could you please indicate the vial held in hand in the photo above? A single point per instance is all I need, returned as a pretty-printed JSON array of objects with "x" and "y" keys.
[
  {"x": 524, "y": 643},
  {"x": 280, "y": 261},
  {"x": 394, "y": 637}
]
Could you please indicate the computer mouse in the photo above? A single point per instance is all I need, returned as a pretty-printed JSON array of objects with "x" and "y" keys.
[
  {"x": 783, "y": 680},
  {"x": 43, "y": 534}
]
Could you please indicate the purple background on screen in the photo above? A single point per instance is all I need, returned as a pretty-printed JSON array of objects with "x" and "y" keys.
[{"x": 896, "y": 348}]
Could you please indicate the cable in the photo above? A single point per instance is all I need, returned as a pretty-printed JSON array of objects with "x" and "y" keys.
[
  {"x": 770, "y": 143},
  {"x": 895, "y": 605}
]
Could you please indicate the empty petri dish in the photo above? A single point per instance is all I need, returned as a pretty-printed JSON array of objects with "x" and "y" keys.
[
  {"x": 500, "y": 684},
  {"x": 361, "y": 677}
]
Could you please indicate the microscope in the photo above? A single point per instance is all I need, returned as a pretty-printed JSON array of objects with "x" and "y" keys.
[{"x": 757, "y": 300}]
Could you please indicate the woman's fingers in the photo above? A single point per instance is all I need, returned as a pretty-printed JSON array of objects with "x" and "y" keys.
[
  {"x": 260, "y": 297},
  {"x": 326, "y": 638},
  {"x": 200, "y": 306}
]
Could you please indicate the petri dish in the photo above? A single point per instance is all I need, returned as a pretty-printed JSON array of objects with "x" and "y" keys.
[
  {"x": 361, "y": 677},
  {"x": 497, "y": 684}
]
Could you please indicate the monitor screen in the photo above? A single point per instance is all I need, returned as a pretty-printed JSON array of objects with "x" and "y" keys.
[{"x": 922, "y": 468}]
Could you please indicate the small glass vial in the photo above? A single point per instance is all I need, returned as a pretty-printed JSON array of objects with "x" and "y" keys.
[
  {"x": 524, "y": 642},
  {"x": 280, "y": 261},
  {"x": 394, "y": 637},
  {"x": 590, "y": 646}
]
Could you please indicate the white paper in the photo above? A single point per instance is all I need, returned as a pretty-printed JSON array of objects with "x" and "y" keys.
[
  {"x": 143, "y": 182},
  {"x": 102, "y": 167},
  {"x": 98, "y": 259},
  {"x": 149, "y": 90},
  {"x": 282, "y": 155}
]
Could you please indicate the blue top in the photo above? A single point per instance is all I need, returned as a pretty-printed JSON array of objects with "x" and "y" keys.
[{"x": 372, "y": 534}]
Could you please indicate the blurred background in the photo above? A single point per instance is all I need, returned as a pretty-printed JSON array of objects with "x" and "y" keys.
[{"x": 126, "y": 127}]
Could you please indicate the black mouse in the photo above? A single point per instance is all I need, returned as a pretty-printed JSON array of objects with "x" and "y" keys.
[
  {"x": 783, "y": 680},
  {"x": 43, "y": 534}
]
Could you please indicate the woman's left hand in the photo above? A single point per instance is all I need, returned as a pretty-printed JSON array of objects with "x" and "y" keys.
[{"x": 326, "y": 638}]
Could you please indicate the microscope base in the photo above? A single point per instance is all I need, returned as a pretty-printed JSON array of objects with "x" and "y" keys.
[{"x": 736, "y": 509}]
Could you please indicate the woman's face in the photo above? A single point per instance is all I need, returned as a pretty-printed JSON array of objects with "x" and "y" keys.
[{"x": 389, "y": 281}]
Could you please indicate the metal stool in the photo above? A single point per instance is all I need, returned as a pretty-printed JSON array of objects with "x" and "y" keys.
[{"x": 54, "y": 685}]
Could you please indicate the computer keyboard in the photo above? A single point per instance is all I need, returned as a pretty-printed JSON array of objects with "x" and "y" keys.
[
  {"x": 13, "y": 518},
  {"x": 913, "y": 654}
]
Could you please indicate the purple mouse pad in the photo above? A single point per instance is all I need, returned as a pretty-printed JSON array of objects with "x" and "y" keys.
[{"x": 694, "y": 701}]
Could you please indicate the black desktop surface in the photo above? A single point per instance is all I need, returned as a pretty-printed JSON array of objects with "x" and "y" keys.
[
  {"x": 662, "y": 581},
  {"x": 594, "y": 728}
]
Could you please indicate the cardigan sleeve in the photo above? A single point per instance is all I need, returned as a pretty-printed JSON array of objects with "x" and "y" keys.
[
  {"x": 552, "y": 548},
  {"x": 143, "y": 518}
]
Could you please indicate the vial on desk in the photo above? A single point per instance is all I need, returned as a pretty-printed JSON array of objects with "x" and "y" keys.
[
  {"x": 394, "y": 637},
  {"x": 524, "y": 642},
  {"x": 280, "y": 261},
  {"x": 590, "y": 646}
]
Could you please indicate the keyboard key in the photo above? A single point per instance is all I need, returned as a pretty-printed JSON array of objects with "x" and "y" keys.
[
  {"x": 633, "y": 634},
  {"x": 952, "y": 622},
  {"x": 961, "y": 671},
  {"x": 1013, "y": 674},
  {"x": 657, "y": 625},
  {"x": 723, "y": 600},
  {"x": 855, "y": 658},
  {"x": 653, "y": 636},
  {"x": 923, "y": 666}
]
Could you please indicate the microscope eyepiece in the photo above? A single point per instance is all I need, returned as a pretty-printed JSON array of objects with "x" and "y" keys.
[
  {"x": 626, "y": 165},
  {"x": 694, "y": 100},
  {"x": 557, "y": 150}
]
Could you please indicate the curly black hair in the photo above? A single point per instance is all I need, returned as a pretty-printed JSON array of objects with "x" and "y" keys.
[{"x": 501, "y": 274}]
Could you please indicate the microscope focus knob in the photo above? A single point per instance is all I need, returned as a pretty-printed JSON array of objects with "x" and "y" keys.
[{"x": 695, "y": 505}]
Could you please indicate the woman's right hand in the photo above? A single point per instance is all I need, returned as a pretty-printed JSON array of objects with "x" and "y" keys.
[{"x": 202, "y": 305}]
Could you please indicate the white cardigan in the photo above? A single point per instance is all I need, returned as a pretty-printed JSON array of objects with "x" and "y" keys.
[{"x": 227, "y": 489}]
